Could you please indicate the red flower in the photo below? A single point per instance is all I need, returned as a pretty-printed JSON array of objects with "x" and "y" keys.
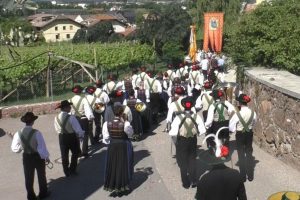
[
  {"x": 179, "y": 90},
  {"x": 220, "y": 93},
  {"x": 224, "y": 151},
  {"x": 207, "y": 85},
  {"x": 119, "y": 93},
  {"x": 246, "y": 99},
  {"x": 188, "y": 104}
]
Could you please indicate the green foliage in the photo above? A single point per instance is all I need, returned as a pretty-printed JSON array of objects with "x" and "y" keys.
[
  {"x": 80, "y": 36},
  {"x": 171, "y": 24},
  {"x": 100, "y": 32},
  {"x": 7, "y": 23},
  {"x": 231, "y": 9},
  {"x": 172, "y": 53},
  {"x": 268, "y": 36},
  {"x": 109, "y": 57}
]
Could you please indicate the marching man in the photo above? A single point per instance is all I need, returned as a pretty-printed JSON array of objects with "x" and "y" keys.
[
  {"x": 35, "y": 156},
  {"x": 242, "y": 123},
  {"x": 186, "y": 126}
]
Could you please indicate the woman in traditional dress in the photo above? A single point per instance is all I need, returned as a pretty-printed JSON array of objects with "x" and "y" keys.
[{"x": 119, "y": 157}]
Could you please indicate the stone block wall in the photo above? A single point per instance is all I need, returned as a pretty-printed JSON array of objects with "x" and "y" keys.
[
  {"x": 278, "y": 128},
  {"x": 37, "y": 109}
]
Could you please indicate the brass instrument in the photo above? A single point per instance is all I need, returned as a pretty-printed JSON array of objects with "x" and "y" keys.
[
  {"x": 99, "y": 107},
  {"x": 231, "y": 89},
  {"x": 140, "y": 107}
]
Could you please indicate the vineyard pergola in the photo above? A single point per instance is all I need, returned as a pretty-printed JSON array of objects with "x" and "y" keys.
[{"x": 59, "y": 67}]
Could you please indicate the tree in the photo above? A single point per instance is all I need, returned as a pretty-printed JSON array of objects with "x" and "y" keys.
[
  {"x": 80, "y": 36},
  {"x": 268, "y": 36},
  {"x": 99, "y": 32},
  {"x": 172, "y": 23},
  {"x": 172, "y": 53}
]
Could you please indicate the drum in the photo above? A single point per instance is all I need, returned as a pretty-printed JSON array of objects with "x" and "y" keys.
[{"x": 231, "y": 89}]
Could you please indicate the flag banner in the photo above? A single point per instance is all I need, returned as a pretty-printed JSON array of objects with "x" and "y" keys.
[
  {"x": 193, "y": 44},
  {"x": 213, "y": 31}
]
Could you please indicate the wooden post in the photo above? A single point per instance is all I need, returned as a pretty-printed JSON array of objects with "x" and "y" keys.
[
  {"x": 95, "y": 63},
  {"x": 48, "y": 77}
]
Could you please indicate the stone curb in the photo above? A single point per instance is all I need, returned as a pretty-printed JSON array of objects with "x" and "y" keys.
[
  {"x": 37, "y": 109},
  {"x": 281, "y": 81}
]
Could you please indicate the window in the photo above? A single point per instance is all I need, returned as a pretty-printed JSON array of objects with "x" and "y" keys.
[
  {"x": 57, "y": 36},
  {"x": 71, "y": 27},
  {"x": 68, "y": 36},
  {"x": 64, "y": 28},
  {"x": 56, "y": 28}
]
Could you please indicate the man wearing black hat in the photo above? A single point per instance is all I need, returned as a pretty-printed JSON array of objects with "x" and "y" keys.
[
  {"x": 218, "y": 116},
  {"x": 175, "y": 106},
  {"x": 220, "y": 182},
  {"x": 35, "y": 154},
  {"x": 99, "y": 109},
  {"x": 186, "y": 126},
  {"x": 84, "y": 113},
  {"x": 205, "y": 99},
  {"x": 242, "y": 123},
  {"x": 69, "y": 131}
]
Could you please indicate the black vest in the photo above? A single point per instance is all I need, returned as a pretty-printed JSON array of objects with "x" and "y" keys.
[{"x": 116, "y": 129}]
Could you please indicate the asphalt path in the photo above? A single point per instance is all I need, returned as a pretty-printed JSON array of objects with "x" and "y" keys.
[{"x": 156, "y": 173}]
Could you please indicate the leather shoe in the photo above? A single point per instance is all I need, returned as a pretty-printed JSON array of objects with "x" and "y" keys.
[
  {"x": 43, "y": 196},
  {"x": 250, "y": 179},
  {"x": 193, "y": 184}
]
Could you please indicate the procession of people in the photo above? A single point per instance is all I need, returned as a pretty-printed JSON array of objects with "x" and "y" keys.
[{"x": 191, "y": 97}]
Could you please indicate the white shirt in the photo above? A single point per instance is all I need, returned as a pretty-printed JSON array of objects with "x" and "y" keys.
[
  {"x": 210, "y": 113},
  {"x": 173, "y": 108},
  {"x": 201, "y": 101},
  {"x": 71, "y": 126},
  {"x": 235, "y": 124},
  {"x": 127, "y": 129},
  {"x": 175, "y": 125},
  {"x": 181, "y": 72},
  {"x": 204, "y": 64},
  {"x": 102, "y": 95},
  {"x": 41, "y": 145},
  {"x": 111, "y": 85},
  {"x": 84, "y": 108},
  {"x": 156, "y": 87}
]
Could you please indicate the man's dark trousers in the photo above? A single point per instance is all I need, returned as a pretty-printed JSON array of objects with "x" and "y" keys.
[
  {"x": 244, "y": 150},
  {"x": 30, "y": 163},
  {"x": 186, "y": 149},
  {"x": 69, "y": 142}
]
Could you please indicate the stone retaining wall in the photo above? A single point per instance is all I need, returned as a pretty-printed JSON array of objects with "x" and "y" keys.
[
  {"x": 37, "y": 109},
  {"x": 278, "y": 128}
]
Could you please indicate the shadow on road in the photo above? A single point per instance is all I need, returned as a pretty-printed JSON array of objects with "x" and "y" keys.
[
  {"x": 2, "y": 132},
  {"x": 90, "y": 178}
]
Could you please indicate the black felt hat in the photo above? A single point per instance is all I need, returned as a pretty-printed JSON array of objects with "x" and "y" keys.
[
  {"x": 243, "y": 98},
  {"x": 28, "y": 117},
  {"x": 187, "y": 103},
  {"x": 63, "y": 104},
  {"x": 208, "y": 157}
]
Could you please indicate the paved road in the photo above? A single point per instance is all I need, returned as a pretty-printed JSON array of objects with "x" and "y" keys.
[{"x": 156, "y": 172}]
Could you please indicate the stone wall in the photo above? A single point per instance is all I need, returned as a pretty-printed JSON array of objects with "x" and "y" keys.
[
  {"x": 37, "y": 109},
  {"x": 278, "y": 128}
]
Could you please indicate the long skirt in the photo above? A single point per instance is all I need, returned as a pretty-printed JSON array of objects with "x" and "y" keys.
[
  {"x": 136, "y": 122},
  {"x": 119, "y": 165}
]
